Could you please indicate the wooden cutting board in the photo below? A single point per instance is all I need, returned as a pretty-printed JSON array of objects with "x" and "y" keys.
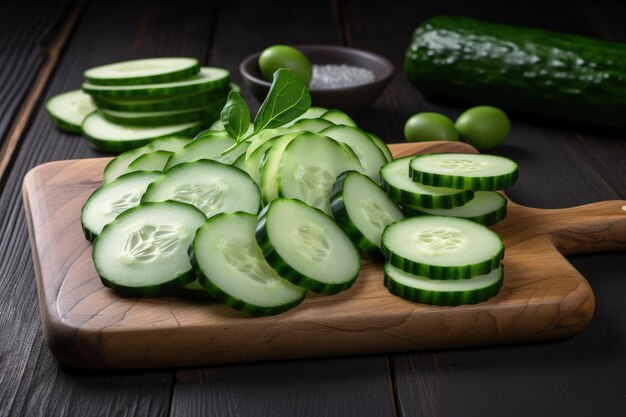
[{"x": 87, "y": 325}]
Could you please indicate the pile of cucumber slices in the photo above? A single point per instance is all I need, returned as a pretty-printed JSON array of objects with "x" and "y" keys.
[
  {"x": 258, "y": 222},
  {"x": 128, "y": 104}
]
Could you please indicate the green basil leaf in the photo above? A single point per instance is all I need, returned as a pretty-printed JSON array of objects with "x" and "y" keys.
[
  {"x": 235, "y": 115},
  {"x": 287, "y": 99}
]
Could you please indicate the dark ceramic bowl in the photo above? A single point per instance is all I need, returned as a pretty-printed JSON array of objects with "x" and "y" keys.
[{"x": 351, "y": 100}]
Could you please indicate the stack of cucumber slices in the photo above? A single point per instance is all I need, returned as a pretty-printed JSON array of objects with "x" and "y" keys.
[
  {"x": 258, "y": 220},
  {"x": 445, "y": 254},
  {"x": 128, "y": 104}
]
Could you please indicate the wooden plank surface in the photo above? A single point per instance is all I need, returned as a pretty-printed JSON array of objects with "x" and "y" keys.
[{"x": 561, "y": 167}]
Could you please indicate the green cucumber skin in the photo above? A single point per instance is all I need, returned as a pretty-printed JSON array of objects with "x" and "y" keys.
[
  {"x": 488, "y": 219},
  {"x": 567, "y": 77},
  {"x": 448, "y": 298},
  {"x": 118, "y": 146},
  {"x": 463, "y": 183},
  {"x": 340, "y": 214},
  {"x": 207, "y": 115},
  {"x": 194, "y": 294},
  {"x": 227, "y": 299},
  {"x": 286, "y": 271},
  {"x": 408, "y": 198},
  {"x": 215, "y": 98},
  {"x": 63, "y": 125},
  {"x": 152, "y": 79}
]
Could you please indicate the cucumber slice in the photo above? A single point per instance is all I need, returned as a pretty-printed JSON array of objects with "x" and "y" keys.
[
  {"x": 363, "y": 210},
  {"x": 114, "y": 138},
  {"x": 151, "y": 161},
  {"x": 240, "y": 161},
  {"x": 69, "y": 110},
  {"x": 269, "y": 167},
  {"x": 339, "y": 118},
  {"x": 443, "y": 292},
  {"x": 252, "y": 164},
  {"x": 195, "y": 291},
  {"x": 230, "y": 265},
  {"x": 440, "y": 247},
  {"x": 112, "y": 199},
  {"x": 207, "y": 147},
  {"x": 382, "y": 146},
  {"x": 311, "y": 113},
  {"x": 119, "y": 165},
  {"x": 397, "y": 183},
  {"x": 212, "y": 98},
  {"x": 311, "y": 125},
  {"x": 486, "y": 208},
  {"x": 143, "y": 71},
  {"x": 263, "y": 136},
  {"x": 161, "y": 118},
  {"x": 306, "y": 247},
  {"x": 206, "y": 80},
  {"x": 308, "y": 168},
  {"x": 464, "y": 171},
  {"x": 143, "y": 252},
  {"x": 371, "y": 157},
  {"x": 208, "y": 185}
]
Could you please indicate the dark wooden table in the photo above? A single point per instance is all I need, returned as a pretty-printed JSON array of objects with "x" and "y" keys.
[{"x": 45, "y": 46}]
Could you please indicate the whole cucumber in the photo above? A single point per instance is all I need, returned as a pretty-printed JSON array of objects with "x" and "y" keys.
[{"x": 566, "y": 77}]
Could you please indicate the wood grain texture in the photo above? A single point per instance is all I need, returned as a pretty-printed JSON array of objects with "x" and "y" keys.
[
  {"x": 87, "y": 325},
  {"x": 32, "y": 381}
]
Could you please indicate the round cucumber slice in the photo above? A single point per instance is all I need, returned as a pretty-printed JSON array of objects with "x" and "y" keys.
[
  {"x": 252, "y": 164},
  {"x": 112, "y": 199},
  {"x": 207, "y": 79},
  {"x": 371, "y": 157},
  {"x": 143, "y": 71},
  {"x": 119, "y": 165},
  {"x": 69, "y": 110},
  {"x": 161, "y": 118},
  {"x": 152, "y": 161},
  {"x": 440, "y": 247},
  {"x": 382, "y": 146},
  {"x": 464, "y": 171},
  {"x": 306, "y": 247},
  {"x": 443, "y": 292},
  {"x": 363, "y": 210},
  {"x": 339, "y": 118},
  {"x": 210, "y": 186},
  {"x": 143, "y": 252},
  {"x": 269, "y": 167},
  {"x": 311, "y": 113},
  {"x": 207, "y": 147},
  {"x": 310, "y": 125},
  {"x": 486, "y": 208},
  {"x": 395, "y": 179},
  {"x": 308, "y": 168},
  {"x": 230, "y": 265},
  {"x": 115, "y": 138}
]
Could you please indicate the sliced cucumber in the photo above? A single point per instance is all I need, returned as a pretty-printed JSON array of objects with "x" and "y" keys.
[
  {"x": 382, "y": 146},
  {"x": 114, "y": 138},
  {"x": 210, "y": 186},
  {"x": 119, "y": 165},
  {"x": 252, "y": 164},
  {"x": 207, "y": 147},
  {"x": 476, "y": 172},
  {"x": 397, "y": 183},
  {"x": 440, "y": 247},
  {"x": 311, "y": 113},
  {"x": 308, "y": 168},
  {"x": 443, "y": 292},
  {"x": 363, "y": 210},
  {"x": 108, "y": 201},
  {"x": 206, "y": 80},
  {"x": 151, "y": 161},
  {"x": 230, "y": 265},
  {"x": 143, "y": 71},
  {"x": 69, "y": 110},
  {"x": 269, "y": 166},
  {"x": 240, "y": 161},
  {"x": 486, "y": 208},
  {"x": 306, "y": 247},
  {"x": 212, "y": 98},
  {"x": 371, "y": 157},
  {"x": 162, "y": 118},
  {"x": 311, "y": 125},
  {"x": 263, "y": 136},
  {"x": 195, "y": 291},
  {"x": 143, "y": 252},
  {"x": 339, "y": 118}
]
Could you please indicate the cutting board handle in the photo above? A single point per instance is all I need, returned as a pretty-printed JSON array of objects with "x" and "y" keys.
[{"x": 596, "y": 227}]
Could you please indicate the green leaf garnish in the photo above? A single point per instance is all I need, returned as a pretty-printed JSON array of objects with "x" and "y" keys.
[{"x": 235, "y": 115}]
